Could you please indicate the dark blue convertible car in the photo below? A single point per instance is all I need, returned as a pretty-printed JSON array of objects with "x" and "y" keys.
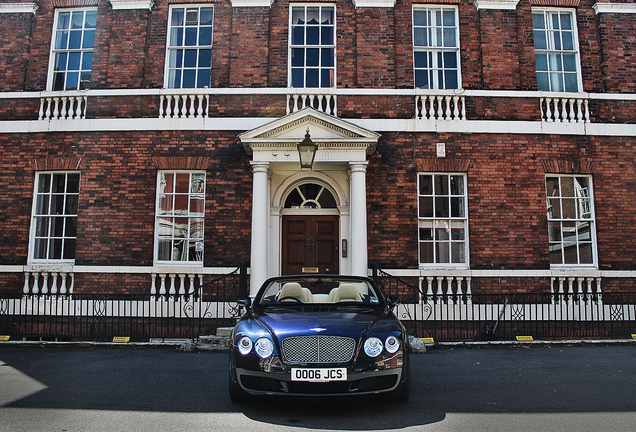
[{"x": 319, "y": 336}]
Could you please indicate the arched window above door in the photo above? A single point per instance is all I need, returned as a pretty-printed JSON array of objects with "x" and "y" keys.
[{"x": 310, "y": 196}]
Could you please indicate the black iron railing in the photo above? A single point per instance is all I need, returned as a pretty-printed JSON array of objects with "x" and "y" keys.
[
  {"x": 67, "y": 317},
  {"x": 465, "y": 316}
]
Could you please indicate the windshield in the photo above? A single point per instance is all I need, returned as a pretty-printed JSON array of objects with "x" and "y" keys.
[{"x": 318, "y": 290}]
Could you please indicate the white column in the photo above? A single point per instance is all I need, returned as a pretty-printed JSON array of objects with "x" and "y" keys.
[
  {"x": 260, "y": 213},
  {"x": 358, "y": 246}
]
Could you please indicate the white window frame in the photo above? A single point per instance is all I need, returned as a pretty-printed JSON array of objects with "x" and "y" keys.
[
  {"x": 437, "y": 222},
  {"x": 161, "y": 229},
  {"x": 172, "y": 54},
  {"x": 555, "y": 51},
  {"x": 82, "y": 51},
  {"x": 435, "y": 53},
  {"x": 291, "y": 68},
  {"x": 42, "y": 218},
  {"x": 570, "y": 223}
]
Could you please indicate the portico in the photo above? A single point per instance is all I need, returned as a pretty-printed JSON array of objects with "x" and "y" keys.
[{"x": 335, "y": 186}]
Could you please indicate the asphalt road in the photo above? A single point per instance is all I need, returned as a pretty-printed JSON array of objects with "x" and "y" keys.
[{"x": 555, "y": 388}]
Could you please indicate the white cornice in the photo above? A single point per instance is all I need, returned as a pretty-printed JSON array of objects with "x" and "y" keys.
[
  {"x": 18, "y": 8},
  {"x": 131, "y": 4},
  {"x": 252, "y": 3},
  {"x": 615, "y": 8},
  {"x": 496, "y": 4},
  {"x": 374, "y": 3}
]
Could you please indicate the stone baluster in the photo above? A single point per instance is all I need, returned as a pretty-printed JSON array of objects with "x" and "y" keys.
[
  {"x": 182, "y": 290},
  {"x": 173, "y": 289},
  {"x": 162, "y": 287},
  {"x": 45, "y": 283},
  {"x": 26, "y": 288},
  {"x": 53, "y": 283},
  {"x": 63, "y": 283},
  {"x": 153, "y": 288}
]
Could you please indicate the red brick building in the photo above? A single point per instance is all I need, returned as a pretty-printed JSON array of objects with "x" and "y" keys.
[{"x": 147, "y": 145}]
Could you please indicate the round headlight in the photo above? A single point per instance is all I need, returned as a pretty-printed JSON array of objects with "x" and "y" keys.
[
  {"x": 245, "y": 345},
  {"x": 264, "y": 347},
  {"x": 373, "y": 347},
  {"x": 392, "y": 344}
]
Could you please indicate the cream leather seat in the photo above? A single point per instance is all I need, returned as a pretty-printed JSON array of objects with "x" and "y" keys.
[
  {"x": 347, "y": 293},
  {"x": 291, "y": 291}
]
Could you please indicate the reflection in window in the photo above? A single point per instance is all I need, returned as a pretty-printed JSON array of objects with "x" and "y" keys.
[
  {"x": 180, "y": 216},
  {"x": 313, "y": 46},
  {"x": 54, "y": 222},
  {"x": 571, "y": 230},
  {"x": 189, "y": 62},
  {"x": 436, "y": 48},
  {"x": 442, "y": 219},
  {"x": 310, "y": 196},
  {"x": 556, "y": 50},
  {"x": 73, "y": 43}
]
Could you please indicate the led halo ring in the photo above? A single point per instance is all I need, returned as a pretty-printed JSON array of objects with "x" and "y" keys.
[
  {"x": 392, "y": 344},
  {"x": 373, "y": 347},
  {"x": 245, "y": 345},
  {"x": 264, "y": 347}
]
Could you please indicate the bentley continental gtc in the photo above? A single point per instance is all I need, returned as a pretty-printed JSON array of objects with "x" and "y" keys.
[{"x": 305, "y": 336}]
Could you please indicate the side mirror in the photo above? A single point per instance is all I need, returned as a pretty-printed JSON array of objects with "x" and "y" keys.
[
  {"x": 392, "y": 301},
  {"x": 246, "y": 303}
]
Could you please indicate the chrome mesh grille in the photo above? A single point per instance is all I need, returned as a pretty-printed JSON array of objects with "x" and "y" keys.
[{"x": 318, "y": 349}]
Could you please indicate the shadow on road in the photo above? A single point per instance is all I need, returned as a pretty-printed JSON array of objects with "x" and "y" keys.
[{"x": 510, "y": 380}]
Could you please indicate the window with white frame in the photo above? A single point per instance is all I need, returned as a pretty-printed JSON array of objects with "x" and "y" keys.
[
  {"x": 436, "y": 48},
  {"x": 54, "y": 217},
  {"x": 72, "y": 49},
  {"x": 189, "y": 47},
  {"x": 442, "y": 219},
  {"x": 571, "y": 221},
  {"x": 179, "y": 217},
  {"x": 312, "y": 46},
  {"x": 556, "y": 49}
]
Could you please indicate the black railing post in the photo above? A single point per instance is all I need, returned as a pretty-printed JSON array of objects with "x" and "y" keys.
[{"x": 243, "y": 292}]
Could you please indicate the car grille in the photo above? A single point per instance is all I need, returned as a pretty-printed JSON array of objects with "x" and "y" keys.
[{"x": 318, "y": 349}]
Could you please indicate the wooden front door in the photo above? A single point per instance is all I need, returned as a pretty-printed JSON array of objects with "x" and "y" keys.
[{"x": 310, "y": 244}]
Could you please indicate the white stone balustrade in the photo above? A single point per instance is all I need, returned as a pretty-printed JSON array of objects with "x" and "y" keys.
[
  {"x": 326, "y": 103},
  {"x": 72, "y": 107},
  {"x": 184, "y": 106},
  {"x": 440, "y": 107},
  {"x": 564, "y": 110},
  {"x": 48, "y": 282},
  {"x": 173, "y": 284},
  {"x": 448, "y": 286}
]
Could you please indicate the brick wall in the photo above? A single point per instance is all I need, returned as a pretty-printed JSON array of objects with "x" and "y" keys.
[
  {"x": 374, "y": 47},
  {"x": 15, "y": 34},
  {"x": 506, "y": 196}
]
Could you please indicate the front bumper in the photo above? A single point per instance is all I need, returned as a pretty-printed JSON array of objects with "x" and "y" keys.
[{"x": 279, "y": 383}]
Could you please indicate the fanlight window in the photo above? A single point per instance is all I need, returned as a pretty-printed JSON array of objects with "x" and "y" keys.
[{"x": 310, "y": 196}]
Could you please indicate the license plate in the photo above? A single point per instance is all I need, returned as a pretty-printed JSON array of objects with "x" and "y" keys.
[{"x": 319, "y": 374}]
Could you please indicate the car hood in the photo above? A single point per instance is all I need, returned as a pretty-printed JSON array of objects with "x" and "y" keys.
[{"x": 350, "y": 322}]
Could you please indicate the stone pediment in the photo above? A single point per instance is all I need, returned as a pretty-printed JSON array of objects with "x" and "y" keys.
[{"x": 325, "y": 130}]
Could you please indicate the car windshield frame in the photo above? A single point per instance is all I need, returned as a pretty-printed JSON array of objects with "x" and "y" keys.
[{"x": 326, "y": 290}]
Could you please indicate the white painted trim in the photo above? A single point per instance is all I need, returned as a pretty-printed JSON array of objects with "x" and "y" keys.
[
  {"x": 374, "y": 3},
  {"x": 395, "y": 272},
  {"x": 132, "y": 4},
  {"x": 625, "y": 8},
  {"x": 6, "y": 8},
  {"x": 240, "y": 124},
  {"x": 252, "y": 3},
  {"x": 496, "y": 4}
]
